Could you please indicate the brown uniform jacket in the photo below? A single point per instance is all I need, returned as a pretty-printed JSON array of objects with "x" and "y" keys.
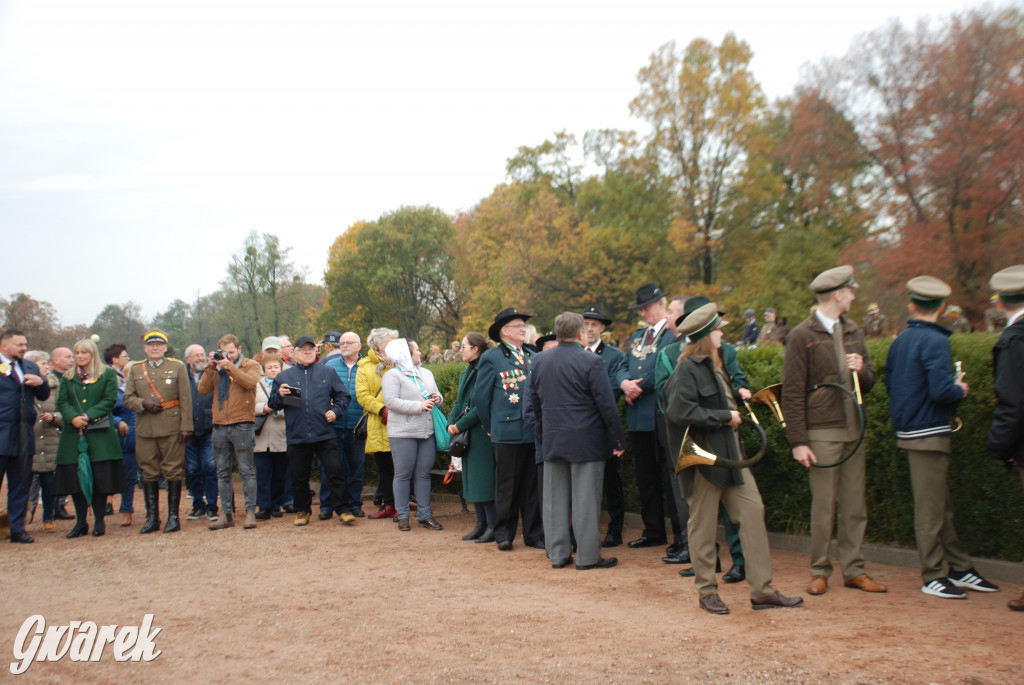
[
  {"x": 240, "y": 406},
  {"x": 171, "y": 382},
  {"x": 811, "y": 359}
]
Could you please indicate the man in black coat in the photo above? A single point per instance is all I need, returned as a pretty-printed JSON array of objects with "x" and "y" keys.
[
  {"x": 20, "y": 384},
  {"x": 579, "y": 428},
  {"x": 1006, "y": 436}
]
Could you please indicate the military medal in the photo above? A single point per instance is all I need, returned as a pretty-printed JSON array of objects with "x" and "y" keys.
[
  {"x": 168, "y": 381},
  {"x": 513, "y": 398}
]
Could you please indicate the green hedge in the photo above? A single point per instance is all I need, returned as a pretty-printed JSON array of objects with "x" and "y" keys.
[{"x": 988, "y": 501}]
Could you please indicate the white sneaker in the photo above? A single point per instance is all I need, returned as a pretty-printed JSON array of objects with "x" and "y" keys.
[
  {"x": 942, "y": 587},
  {"x": 970, "y": 580}
]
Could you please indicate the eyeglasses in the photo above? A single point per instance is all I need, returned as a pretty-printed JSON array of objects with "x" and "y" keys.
[
  {"x": 349, "y": 342},
  {"x": 521, "y": 326}
]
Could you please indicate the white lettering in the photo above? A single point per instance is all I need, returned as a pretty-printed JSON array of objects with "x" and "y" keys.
[
  {"x": 126, "y": 638},
  {"x": 144, "y": 648},
  {"x": 20, "y": 653},
  {"x": 49, "y": 650},
  {"x": 81, "y": 645},
  {"x": 106, "y": 635}
]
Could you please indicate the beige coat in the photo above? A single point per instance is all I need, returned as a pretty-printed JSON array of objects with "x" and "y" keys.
[
  {"x": 272, "y": 438},
  {"x": 47, "y": 434}
]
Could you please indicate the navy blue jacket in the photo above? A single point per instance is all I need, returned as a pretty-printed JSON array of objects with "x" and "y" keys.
[
  {"x": 202, "y": 407},
  {"x": 576, "y": 416},
  {"x": 1006, "y": 436},
  {"x": 919, "y": 378},
  {"x": 321, "y": 390},
  {"x": 17, "y": 411}
]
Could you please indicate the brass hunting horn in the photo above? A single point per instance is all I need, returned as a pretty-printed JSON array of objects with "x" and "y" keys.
[{"x": 692, "y": 454}]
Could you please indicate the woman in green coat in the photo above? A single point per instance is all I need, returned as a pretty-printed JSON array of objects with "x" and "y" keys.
[
  {"x": 88, "y": 392},
  {"x": 478, "y": 462}
]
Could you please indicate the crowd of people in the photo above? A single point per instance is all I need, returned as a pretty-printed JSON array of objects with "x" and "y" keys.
[{"x": 538, "y": 428}]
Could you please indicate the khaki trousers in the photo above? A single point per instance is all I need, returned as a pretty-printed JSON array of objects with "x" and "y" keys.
[
  {"x": 937, "y": 541},
  {"x": 160, "y": 455},
  {"x": 839, "y": 488},
  {"x": 743, "y": 502}
]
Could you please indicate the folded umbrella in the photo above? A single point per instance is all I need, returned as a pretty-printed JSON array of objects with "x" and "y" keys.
[{"x": 84, "y": 467}]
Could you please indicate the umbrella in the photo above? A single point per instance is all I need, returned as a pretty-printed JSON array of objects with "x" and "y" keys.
[{"x": 84, "y": 469}]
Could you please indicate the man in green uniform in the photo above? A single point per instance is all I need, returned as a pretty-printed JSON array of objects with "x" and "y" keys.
[{"x": 157, "y": 390}]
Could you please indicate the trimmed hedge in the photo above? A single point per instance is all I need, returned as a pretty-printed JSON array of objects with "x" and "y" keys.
[{"x": 988, "y": 502}]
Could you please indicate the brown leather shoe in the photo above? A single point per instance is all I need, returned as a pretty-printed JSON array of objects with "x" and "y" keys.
[
  {"x": 250, "y": 520},
  {"x": 818, "y": 585},
  {"x": 126, "y": 520},
  {"x": 713, "y": 604},
  {"x": 1016, "y": 604},
  {"x": 864, "y": 582},
  {"x": 776, "y": 600},
  {"x": 225, "y": 521}
]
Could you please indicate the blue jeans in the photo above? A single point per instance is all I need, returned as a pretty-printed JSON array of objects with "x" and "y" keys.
[
  {"x": 414, "y": 458},
  {"x": 131, "y": 474},
  {"x": 42, "y": 486},
  {"x": 235, "y": 440},
  {"x": 271, "y": 468},
  {"x": 353, "y": 460},
  {"x": 201, "y": 471}
]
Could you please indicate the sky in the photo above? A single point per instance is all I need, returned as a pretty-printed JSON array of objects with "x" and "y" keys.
[{"x": 142, "y": 140}]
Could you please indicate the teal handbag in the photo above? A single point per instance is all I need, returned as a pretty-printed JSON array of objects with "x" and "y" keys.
[{"x": 441, "y": 437}]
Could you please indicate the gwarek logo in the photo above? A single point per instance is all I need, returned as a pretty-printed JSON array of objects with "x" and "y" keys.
[{"x": 82, "y": 642}]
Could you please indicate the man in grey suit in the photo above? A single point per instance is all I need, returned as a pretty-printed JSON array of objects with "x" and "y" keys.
[{"x": 578, "y": 425}]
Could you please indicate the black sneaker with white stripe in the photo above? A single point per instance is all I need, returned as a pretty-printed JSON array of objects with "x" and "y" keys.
[
  {"x": 942, "y": 587},
  {"x": 971, "y": 580}
]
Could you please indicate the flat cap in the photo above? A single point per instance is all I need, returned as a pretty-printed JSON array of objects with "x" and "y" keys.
[
  {"x": 928, "y": 290},
  {"x": 1009, "y": 283},
  {"x": 701, "y": 322},
  {"x": 834, "y": 279},
  {"x": 271, "y": 342}
]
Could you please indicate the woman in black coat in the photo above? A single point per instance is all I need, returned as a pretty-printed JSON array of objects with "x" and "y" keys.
[{"x": 699, "y": 397}]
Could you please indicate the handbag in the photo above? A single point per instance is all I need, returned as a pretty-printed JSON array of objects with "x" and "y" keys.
[
  {"x": 359, "y": 431},
  {"x": 98, "y": 425},
  {"x": 458, "y": 445},
  {"x": 441, "y": 437},
  {"x": 260, "y": 422}
]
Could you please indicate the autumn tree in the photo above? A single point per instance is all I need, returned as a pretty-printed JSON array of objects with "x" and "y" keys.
[
  {"x": 121, "y": 323},
  {"x": 396, "y": 272},
  {"x": 37, "y": 319},
  {"x": 939, "y": 114},
  {"x": 703, "y": 105}
]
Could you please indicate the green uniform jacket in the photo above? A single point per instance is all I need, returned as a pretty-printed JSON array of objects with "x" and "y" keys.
[
  {"x": 478, "y": 463},
  {"x": 667, "y": 357},
  {"x": 97, "y": 400},
  {"x": 640, "y": 414},
  {"x": 499, "y": 395}
]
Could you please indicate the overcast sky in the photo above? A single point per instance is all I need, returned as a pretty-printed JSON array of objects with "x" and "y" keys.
[{"x": 141, "y": 140}]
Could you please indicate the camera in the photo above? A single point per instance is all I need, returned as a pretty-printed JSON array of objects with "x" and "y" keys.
[{"x": 218, "y": 355}]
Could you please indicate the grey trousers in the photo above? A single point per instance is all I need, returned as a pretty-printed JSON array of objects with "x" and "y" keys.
[
  {"x": 236, "y": 440},
  {"x": 578, "y": 482}
]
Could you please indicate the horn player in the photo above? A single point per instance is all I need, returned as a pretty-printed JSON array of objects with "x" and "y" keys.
[
  {"x": 829, "y": 347},
  {"x": 923, "y": 393},
  {"x": 698, "y": 395}
]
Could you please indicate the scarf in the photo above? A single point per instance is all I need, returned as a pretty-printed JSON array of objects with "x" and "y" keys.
[{"x": 224, "y": 384}]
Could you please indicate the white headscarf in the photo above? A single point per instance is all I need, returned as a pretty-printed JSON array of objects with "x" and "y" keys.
[{"x": 398, "y": 352}]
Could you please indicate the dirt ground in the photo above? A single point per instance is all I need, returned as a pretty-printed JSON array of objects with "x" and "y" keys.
[{"x": 371, "y": 604}]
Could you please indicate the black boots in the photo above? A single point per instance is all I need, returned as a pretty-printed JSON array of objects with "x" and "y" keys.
[
  {"x": 173, "y": 501},
  {"x": 151, "y": 491},
  {"x": 481, "y": 526}
]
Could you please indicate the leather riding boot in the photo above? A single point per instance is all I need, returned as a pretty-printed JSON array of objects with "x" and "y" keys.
[
  {"x": 481, "y": 526},
  {"x": 173, "y": 502},
  {"x": 151, "y": 493}
]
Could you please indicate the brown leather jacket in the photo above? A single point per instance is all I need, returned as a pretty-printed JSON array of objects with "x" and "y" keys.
[
  {"x": 811, "y": 359},
  {"x": 240, "y": 406}
]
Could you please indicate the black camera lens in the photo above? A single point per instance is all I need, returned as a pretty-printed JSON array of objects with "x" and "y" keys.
[{"x": 218, "y": 355}]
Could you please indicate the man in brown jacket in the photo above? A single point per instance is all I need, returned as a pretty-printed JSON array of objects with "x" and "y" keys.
[
  {"x": 232, "y": 379},
  {"x": 157, "y": 391},
  {"x": 821, "y": 425}
]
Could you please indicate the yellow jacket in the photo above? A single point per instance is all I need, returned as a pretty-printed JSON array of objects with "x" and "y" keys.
[{"x": 368, "y": 382}]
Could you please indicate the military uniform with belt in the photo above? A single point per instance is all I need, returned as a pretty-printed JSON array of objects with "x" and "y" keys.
[{"x": 158, "y": 391}]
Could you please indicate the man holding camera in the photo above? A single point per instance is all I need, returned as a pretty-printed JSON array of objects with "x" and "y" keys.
[
  {"x": 232, "y": 379},
  {"x": 313, "y": 398},
  {"x": 157, "y": 391}
]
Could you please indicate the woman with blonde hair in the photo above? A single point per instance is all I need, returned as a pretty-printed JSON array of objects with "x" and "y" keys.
[{"x": 88, "y": 392}]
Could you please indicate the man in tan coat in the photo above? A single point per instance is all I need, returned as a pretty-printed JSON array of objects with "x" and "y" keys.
[
  {"x": 232, "y": 379},
  {"x": 157, "y": 391}
]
